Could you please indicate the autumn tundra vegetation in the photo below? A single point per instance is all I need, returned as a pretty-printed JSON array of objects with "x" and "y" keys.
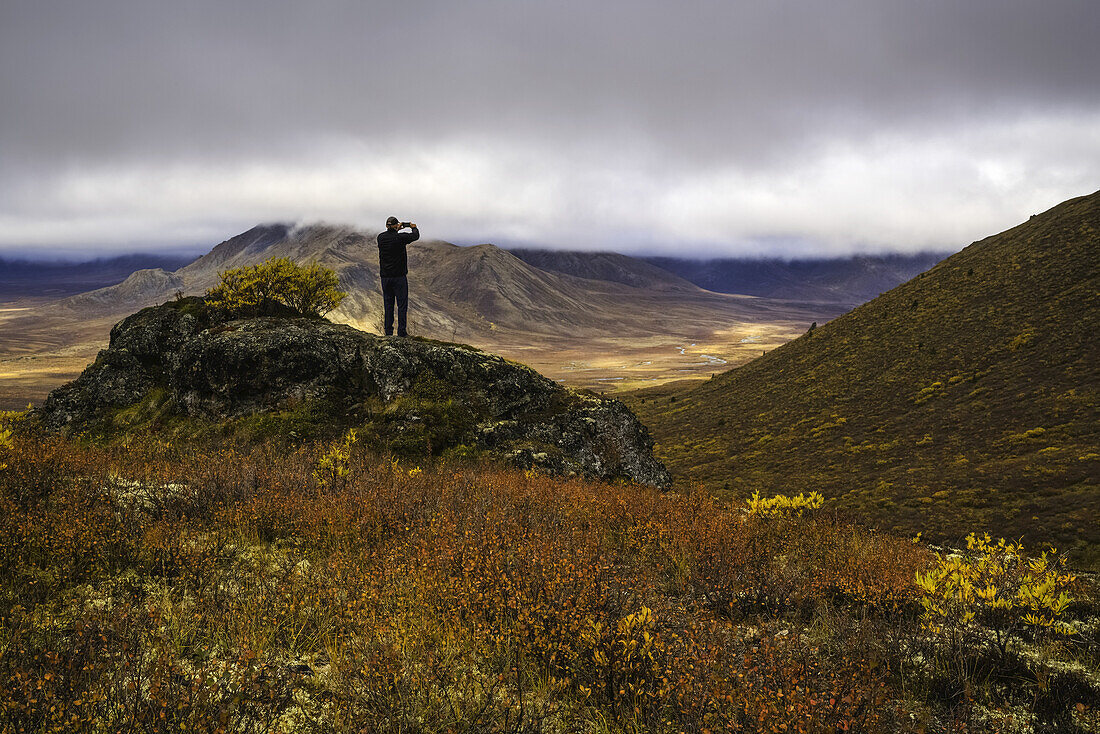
[
  {"x": 165, "y": 570},
  {"x": 322, "y": 587}
]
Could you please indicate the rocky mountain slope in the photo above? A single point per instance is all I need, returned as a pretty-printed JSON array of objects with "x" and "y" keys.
[
  {"x": 182, "y": 367},
  {"x": 610, "y": 266},
  {"x": 965, "y": 399},
  {"x": 140, "y": 287},
  {"x": 456, "y": 288}
]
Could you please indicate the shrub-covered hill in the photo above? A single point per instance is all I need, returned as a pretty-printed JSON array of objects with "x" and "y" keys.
[
  {"x": 963, "y": 399},
  {"x": 164, "y": 588},
  {"x": 188, "y": 370}
]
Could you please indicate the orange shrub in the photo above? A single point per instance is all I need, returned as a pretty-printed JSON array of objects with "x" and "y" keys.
[{"x": 242, "y": 589}]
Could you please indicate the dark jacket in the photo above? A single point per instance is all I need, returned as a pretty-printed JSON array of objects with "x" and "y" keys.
[{"x": 393, "y": 261}]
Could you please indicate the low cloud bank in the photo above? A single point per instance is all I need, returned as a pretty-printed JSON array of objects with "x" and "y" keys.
[{"x": 889, "y": 193}]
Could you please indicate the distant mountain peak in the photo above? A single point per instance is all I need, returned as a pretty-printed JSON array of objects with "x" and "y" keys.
[
  {"x": 851, "y": 280},
  {"x": 608, "y": 266},
  {"x": 142, "y": 287},
  {"x": 252, "y": 242},
  {"x": 468, "y": 290}
]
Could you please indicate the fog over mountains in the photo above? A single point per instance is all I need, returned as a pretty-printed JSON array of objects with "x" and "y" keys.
[
  {"x": 848, "y": 280},
  {"x": 851, "y": 280},
  {"x": 806, "y": 128},
  {"x": 457, "y": 290},
  {"x": 35, "y": 278}
]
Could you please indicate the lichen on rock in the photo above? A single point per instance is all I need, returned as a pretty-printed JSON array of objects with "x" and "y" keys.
[{"x": 412, "y": 396}]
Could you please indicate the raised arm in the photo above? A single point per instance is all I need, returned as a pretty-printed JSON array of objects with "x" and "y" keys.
[{"x": 413, "y": 236}]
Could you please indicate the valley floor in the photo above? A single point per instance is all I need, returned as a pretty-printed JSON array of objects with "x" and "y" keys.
[
  {"x": 43, "y": 347},
  {"x": 610, "y": 364},
  {"x": 40, "y": 352}
]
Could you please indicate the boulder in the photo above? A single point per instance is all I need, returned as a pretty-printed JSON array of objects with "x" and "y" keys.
[{"x": 411, "y": 395}]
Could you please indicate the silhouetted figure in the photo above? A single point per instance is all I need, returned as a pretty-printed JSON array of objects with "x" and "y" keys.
[{"x": 393, "y": 267}]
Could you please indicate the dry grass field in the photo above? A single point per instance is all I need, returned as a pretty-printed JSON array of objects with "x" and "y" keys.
[
  {"x": 39, "y": 353},
  {"x": 614, "y": 364}
]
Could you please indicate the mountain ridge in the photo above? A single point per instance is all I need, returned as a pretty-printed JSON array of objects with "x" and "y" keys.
[
  {"x": 608, "y": 266},
  {"x": 24, "y": 278},
  {"x": 470, "y": 290},
  {"x": 600, "y": 334},
  {"x": 854, "y": 279}
]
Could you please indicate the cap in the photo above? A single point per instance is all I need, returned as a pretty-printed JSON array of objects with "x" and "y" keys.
[{"x": 392, "y": 220}]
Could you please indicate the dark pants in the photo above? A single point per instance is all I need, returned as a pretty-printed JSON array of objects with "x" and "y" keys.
[{"x": 395, "y": 289}]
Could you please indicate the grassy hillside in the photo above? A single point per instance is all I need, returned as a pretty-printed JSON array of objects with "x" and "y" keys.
[
  {"x": 168, "y": 588},
  {"x": 963, "y": 399}
]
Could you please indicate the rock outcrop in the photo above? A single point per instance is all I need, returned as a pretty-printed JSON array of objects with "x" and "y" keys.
[{"x": 408, "y": 395}]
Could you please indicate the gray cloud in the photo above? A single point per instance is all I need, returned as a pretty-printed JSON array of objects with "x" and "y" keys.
[{"x": 735, "y": 127}]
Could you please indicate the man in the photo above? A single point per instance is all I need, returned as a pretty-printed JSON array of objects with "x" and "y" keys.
[{"x": 393, "y": 265}]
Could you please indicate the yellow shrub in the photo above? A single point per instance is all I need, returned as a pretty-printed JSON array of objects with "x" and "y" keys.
[
  {"x": 9, "y": 418},
  {"x": 333, "y": 464},
  {"x": 310, "y": 290},
  {"x": 627, "y": 661},
  {"x": 781, "y": 505},
  {"x": 5, "y": 444},
  {"x": 1021, "y": 340},
  {"x": 1028, "y": 434},
  {"x": 927, "y": 393},
  {"x": 996, "y": 585}
]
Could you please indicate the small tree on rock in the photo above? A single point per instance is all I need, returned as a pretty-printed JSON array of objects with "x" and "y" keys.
[
  {"x": 276, "y": 284},
  {"x": 313, "y": 290}
]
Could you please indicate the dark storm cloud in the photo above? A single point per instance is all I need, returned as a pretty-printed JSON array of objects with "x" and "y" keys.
[{"x": 163, "y": 121}]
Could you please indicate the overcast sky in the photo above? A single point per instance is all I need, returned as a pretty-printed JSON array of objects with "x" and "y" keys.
[{"x": 710, "y": 128}]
